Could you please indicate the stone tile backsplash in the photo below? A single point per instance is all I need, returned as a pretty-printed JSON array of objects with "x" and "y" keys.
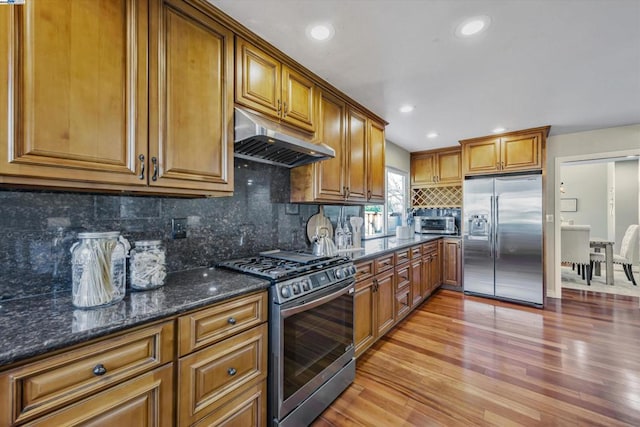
[{"x": 39, "y": 227}]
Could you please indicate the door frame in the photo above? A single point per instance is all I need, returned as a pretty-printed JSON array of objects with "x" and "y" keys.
[{"x": 557, "y": 280}]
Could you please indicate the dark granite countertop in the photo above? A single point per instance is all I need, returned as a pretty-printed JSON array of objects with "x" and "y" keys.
[
  {"x": 37, "y": 325},
  {"x": 373, "y": 248}
]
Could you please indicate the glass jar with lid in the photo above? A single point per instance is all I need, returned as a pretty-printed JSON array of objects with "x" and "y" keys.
[
  {"x": 147, "y": 268},
  {"x": 98, "y": 269}
]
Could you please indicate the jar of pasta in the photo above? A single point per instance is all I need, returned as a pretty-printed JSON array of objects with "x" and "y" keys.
[{"x": 147, "y": 268}]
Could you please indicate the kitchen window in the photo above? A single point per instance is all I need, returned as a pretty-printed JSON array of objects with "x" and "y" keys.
[{"x": 382, "y": 220}]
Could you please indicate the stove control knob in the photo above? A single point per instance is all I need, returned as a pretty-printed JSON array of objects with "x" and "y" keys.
[
  {"x": 340, "y": 273},
  {"x": 296, "y": 288},
  {"x": 306, "y": 286},
  {"x": 352, "y": 270},
  {"x": 285, "y": 291}
]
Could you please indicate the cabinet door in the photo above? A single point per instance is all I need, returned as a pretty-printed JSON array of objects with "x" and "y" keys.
[
  {"x": 364, "y": 316},
  {"x": 436, "y": 268},
  {"x": 385, "y": 303},
  {"x": 299, "y": 100},
  {"x": 146, "y": 400},
  {"x": 425, "y": 284},
  {"x": 73, "y": 90},
  {"x": 416, "y": 282},
  {"x": 357, "y": 150},
  {"x": 423, "y": 169},
  {"x": 450, "y": 167},
  {"x": 330, "y": 174},
  {"x": 481, "y": 157},
  {"x": 521, "y": 152},
  {"x": 451, "y": 263},
  {"x": 376, "y": 162},
  {"x": 191, "y": 99},
  {"x": 258, "y": 79}
]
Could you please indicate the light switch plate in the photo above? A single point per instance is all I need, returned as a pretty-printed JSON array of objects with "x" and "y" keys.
[{"x": 550, "y": 218}]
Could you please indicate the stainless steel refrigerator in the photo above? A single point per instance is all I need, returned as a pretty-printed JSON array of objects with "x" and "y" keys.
[{"x": 502, "y": 238}]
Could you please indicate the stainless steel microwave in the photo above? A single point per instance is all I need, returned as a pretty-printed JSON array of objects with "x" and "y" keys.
[{"x": 435, "y": 225}]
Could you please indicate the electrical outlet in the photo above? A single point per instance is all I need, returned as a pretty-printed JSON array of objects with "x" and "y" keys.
[{"x": 179, "y": 228}]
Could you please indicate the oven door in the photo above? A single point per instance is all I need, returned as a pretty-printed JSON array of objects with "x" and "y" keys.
[{"x": 311, "y": 341}]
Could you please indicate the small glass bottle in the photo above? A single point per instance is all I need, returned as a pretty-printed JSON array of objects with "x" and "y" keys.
[
  {"x": 147, "y": 268},
  {"x": 98, "y": 269}
]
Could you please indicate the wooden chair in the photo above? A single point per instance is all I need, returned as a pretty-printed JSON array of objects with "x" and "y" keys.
[{"x": 575, "y": 248}]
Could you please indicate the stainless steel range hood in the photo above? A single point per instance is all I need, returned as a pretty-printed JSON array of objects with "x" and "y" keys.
[{"x": 262, "y": 140}]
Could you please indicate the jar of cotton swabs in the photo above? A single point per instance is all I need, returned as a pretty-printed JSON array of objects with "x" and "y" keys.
[
  {"x": 147, "y": 268},
  {"x": 98, "y": 269}
]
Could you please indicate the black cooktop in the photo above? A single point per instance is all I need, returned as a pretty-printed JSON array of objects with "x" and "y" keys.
[{"x": 280, "y": 265}]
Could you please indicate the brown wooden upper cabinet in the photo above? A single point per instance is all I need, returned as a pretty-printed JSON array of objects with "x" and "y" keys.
[
  {"x": 511, "y": 152},
  {"x": 356, "y": 173},
  {"x": 441, "y": 167},
  {"x": 270, "y": 87},
  {"x": 79, "y": 118}
]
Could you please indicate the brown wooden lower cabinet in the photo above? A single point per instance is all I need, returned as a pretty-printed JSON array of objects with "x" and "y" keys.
[
  {"x": 374, "y": 303},
  {"x": 389, "y": 287},
  {"x": 451, "y": 263},
  {"x": 134, "y": 378}
]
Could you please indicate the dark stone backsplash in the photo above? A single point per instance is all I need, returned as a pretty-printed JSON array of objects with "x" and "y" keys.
[{"x": 39, "y": 227}]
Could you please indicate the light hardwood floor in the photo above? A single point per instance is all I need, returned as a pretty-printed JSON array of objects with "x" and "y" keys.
[{"x": 460, "y": 360}]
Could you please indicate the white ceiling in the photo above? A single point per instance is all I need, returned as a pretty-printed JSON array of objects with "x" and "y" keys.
[{"x": 571, "y": 64}]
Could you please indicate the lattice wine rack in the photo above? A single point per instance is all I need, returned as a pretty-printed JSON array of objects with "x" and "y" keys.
[{"x": 437, "y": 197}]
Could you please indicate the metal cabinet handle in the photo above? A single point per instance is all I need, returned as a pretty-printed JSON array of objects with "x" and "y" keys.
[
  {"x": 285, "y": 110},
  {"x": 232, "y": 371},
  {"x": 141, "y": 158},
  {"x": 279, "y": 106},
  {"x": 231, "y": 321},
  {"x": 154, "y": 161},
  {"x": 368, "y": 194},
  {"x": 375, "y": 285},
  {"x": 99, "y": 370}
]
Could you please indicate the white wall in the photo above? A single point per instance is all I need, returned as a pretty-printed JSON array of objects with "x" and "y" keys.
[
  {"x": 397, "y": 157},
  {"x": 581, "y": 144},
  {"x": 626, "y": 195},
  {"x": 588, "y": 184}
]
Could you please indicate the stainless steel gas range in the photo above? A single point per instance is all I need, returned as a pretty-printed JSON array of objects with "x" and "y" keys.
[{"x": 311, "y": 357}]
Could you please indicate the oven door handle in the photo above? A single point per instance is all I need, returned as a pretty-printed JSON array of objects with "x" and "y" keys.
[{"x": 348, "y": 289}]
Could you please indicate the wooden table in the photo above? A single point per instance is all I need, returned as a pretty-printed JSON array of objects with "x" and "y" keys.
[{"x": 608, "y": 257}]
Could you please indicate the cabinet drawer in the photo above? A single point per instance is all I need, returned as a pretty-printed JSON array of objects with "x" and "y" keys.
[
  {"x": 144, "y": 400},
  {"x": 248, "y": 408},
  {"x": 204, "y": 327},
  {"x": 403, "y": 278},
  {"x": 428, "y": 248},
  {"x": 403, "y": 304},
  {"x": 207, "y": 377},
  {"x": 416, "y": 252},
  {"x": 403, "y": 256},
  {"x": 364, "y": 270},
  {"x": 383, "y": 263},
  {"x": 42, "y": 386}
]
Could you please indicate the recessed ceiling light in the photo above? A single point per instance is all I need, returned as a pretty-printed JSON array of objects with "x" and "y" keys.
[
  {"x": 320, "y": 32},
  {"x": 406, "y": 108},
  {"x": 473, "y": 26},
  {"x": 432, "y": 135},
  {"x": 498, "y": 130}
]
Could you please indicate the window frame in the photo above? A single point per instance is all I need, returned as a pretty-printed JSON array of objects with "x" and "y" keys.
[{"x": 385, "y": 206}]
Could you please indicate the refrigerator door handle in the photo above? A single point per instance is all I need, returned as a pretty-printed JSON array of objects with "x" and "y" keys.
[
  {"x": 492, "y": 227},
  {"x": 497, "y": 226}
]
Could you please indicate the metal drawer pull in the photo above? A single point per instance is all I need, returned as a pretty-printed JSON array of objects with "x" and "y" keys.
[
  {"x": 231, "y": 321},
  {"x": 232, "y": 371},
  {"x": 155, "y": 169},
  {"x": 99, "y": 370}
]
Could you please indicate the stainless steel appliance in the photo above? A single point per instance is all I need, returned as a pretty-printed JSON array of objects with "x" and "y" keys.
[
  {"x": 502, "y": 238},
  {"x": 262, "y": 140},
  {"x": 435, "y": 225},
  {"x": 311, "y": 357}
]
